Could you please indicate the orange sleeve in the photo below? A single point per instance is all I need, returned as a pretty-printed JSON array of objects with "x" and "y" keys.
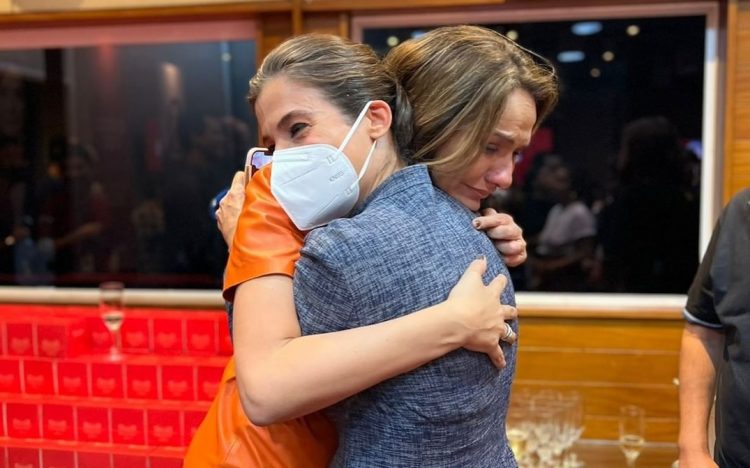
[{"x": 266, "y": 241}]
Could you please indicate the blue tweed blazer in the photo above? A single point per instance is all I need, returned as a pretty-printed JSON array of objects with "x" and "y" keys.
[{"x": 403, "y": 250}]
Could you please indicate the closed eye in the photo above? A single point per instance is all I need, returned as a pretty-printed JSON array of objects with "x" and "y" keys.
[{"x": 296, "y": 128}]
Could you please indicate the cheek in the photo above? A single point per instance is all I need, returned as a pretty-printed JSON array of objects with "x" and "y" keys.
[{"x": 476, "y": 173}]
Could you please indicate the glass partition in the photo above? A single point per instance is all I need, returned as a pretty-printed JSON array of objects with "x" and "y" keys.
[
  {"x": 609, "y": 192},
  {"x": 110, "y": 152}
]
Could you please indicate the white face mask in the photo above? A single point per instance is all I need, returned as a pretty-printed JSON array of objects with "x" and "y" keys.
[{"x": 316, "y": 184}]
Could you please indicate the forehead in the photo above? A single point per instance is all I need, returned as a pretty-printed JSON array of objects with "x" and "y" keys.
[
  {"x": 518, "y": 118},
  {"x": 281, "y": 95}
]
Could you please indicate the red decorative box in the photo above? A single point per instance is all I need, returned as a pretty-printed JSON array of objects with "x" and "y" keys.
[
  {"x": 168, "y": 335},
  {"x": 107, "y": 380},
  {"x": 142, "y": 381},
  {"x": 164, "y": 427},
  {"x": 128, "y": 426},
  {"x": 121, "y": 460},
  {"x": 23, "y": 457},
  {"x": 225, "y": 338},
  {"x": 73, "y": 378},
  {"x": 38, "y": 377},
  {"x": 61, "y": 337},
  {"x": 209, "y": 377},
  {"x": 101, "y": 337},
  {"x": 135, "y": 333},
  {"x": 58, "y": 422},
  {"x": 20, "y": 337},
  {"x": 3, "y": 340},
  {"x": 52, "y": 458},
  {"x": 178, "y": 382},
  {"x": 94, "y": 460},
  {"x": 201, "y": 334},
  {"x": 166, "y": 457},
  {"x": 191, "y": 420},
  {"x": 93, "y": 424},
  {"x": 10, "y": 376},
  {"x": 22, "y": 420}
]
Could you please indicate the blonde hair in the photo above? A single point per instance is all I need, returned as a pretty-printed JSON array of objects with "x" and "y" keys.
[
  {"x": 347, "y": 73},
  {"x": 458, "y": 79}
]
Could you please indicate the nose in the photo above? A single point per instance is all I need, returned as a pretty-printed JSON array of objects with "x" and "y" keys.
[{"x": 501, "y": 176}]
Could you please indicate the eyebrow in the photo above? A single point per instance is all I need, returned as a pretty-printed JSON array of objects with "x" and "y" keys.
[
  {"x": 286, "y": 120},
  {"x": 510, "y": 137}
]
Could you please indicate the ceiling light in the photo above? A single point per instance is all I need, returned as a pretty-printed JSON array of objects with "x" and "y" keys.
[
  {"x": 512, "y": 35},
  {"x": 586, "y": 28},
  {"x": 568, "y": 56},
  {"x": 596, "y": 73},
  {"x": 608, "y": 56},
  {"x": 392, "y": 41},
  {"x": 633, "y": 30}
]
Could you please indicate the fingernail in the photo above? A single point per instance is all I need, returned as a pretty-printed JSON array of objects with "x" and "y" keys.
[
  {"x": 481, "y": 257},
  {"x": 476, "y": 223}
]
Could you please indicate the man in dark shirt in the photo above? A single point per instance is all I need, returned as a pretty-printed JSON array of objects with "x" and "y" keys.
[{"x": 715, "y": 351}]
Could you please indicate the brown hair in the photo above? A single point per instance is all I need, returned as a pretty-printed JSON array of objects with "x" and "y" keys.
[
  {"x": 348, "y": 73},
  {"x": 458, "y": 79}
]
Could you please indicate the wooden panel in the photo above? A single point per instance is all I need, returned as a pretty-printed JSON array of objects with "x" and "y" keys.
[
  {"x": 598, "y": 334},
  {"x": 598, "y": 454},
  {"x": 161, "y": 14},
  {"x": 605, "y": 399},
  {"x": 599, "y": 366},
  {"x": 657, "y": 429},
  {"x": 327, "y": 23},
  {"x": 273, "y": 30},
  {"x": 347, "y": 5},
  {"x": 737, "y": 101},
  {"x": 60, "y": 5},
  {"x": 611, "y": 362}
]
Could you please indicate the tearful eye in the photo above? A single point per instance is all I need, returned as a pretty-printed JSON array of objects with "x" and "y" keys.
[
  {"x": 517, "y": 157},
  {"x": 296, "y": 128}
]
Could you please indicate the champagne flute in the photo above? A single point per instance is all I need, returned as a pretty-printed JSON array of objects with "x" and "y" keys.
[
  {"x": 517, "y": 430},
  {"x": 112, "y": 312},
  {"x": 632, "y": 428}
]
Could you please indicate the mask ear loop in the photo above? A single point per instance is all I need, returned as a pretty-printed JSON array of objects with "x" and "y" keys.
[
  {"x": 367, "y": 161},
  {"x": 355, "y": 125},
  {"x": 349, "y": 136}
]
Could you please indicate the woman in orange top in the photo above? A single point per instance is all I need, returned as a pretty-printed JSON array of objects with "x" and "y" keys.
[{"x": 262, "y": 257}]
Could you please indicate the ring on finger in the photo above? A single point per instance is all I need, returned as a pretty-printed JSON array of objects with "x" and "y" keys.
[{"x": 508, "y": 332}]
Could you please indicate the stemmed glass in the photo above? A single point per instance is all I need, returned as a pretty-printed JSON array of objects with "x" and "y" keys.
[
  {"x": 112, "y": 312},
  {"x": 517, "y": 428},
  {"x": 573, "y": 423},
  {"x": 632, "y": 428}
]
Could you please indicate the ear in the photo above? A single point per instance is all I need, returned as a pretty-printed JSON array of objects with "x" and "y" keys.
[{"x": 380, "y": 116}]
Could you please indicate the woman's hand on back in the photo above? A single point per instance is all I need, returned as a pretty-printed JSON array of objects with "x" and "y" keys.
[
  {"x": 480, "y": 314},
  {"x": 505, "y": 233}
]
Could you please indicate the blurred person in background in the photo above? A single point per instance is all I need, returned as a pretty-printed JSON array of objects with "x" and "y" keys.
[
  {"x": 649, "y": 227},
  {"x": 563, "y": 256},
  {"x": 74, "y": 219}
]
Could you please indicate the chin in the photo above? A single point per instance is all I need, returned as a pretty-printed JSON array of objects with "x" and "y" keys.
[{"x": 471, "y": 204}]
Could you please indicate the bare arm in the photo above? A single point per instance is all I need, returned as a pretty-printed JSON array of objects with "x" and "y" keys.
[
  {"x": 282, "y": 375},
  {"x": 700, "y": 356}
]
